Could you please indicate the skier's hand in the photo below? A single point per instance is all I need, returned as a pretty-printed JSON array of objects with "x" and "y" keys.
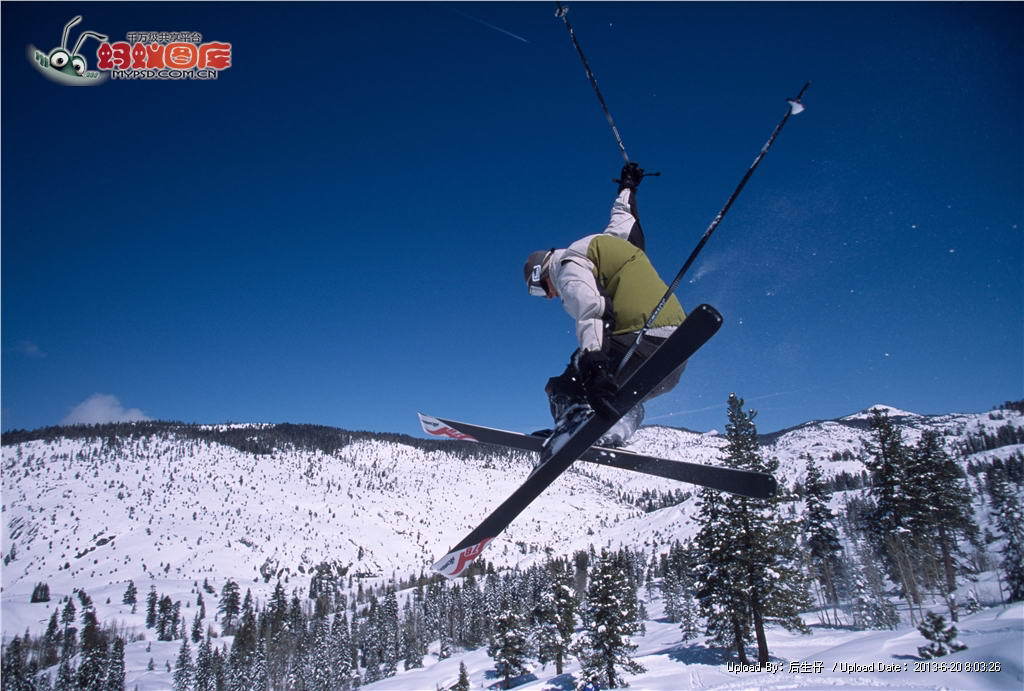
[
  {"x": 630, "y": 176},
  {"x": 598, "y": 382}
]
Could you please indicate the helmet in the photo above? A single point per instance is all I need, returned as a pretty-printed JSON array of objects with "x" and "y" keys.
[{"x": 536, "y": 270}]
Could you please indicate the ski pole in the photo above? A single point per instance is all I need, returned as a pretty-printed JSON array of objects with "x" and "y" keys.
[
  {"x": 561, "y": 12},
  {"x": 795, "y": 107}
]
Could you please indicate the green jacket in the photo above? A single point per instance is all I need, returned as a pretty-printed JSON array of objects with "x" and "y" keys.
[
  {"x": 626, "y": 276},
  {"x": 608, "y": 277}
]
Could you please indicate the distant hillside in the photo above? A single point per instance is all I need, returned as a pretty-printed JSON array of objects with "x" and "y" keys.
[{"x": 104, "y": 503}]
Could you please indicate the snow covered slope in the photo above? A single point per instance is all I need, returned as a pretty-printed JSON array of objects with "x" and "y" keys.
[
  {"x": 827, "y": 659},
  {"x": 85, "y": 513},
  {"x": 173, "y": 506},
  {"x": 92, "y": 513}
]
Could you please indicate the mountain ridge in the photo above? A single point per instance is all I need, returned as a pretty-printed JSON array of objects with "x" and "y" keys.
[{"x": 262, "y": 501}]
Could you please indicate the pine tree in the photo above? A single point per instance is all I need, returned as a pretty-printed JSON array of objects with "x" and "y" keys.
[
  {"x": 509, "y": 647},
  {"x": 372, "y": 640},
  {"x": 115, "y": 667},
  {"x": 203, "y": 676},
  {"x": 177, "y": 628},
  {"x": 220, "y": 670},
  {"x": 463, "y": 683},
  {"x": 748, "y": 566},
  {"x": 821, "y": 537},
  {"x": 278, "y": 608},
  {"x": 871, "y": 608},
  {"x": 93, "y": 667},
  {"x": 566, "y": 606},
  {"x": 230, "y": 605},
  {"x": 670, "y": 596},
  {"x": 165, "y": 619},
  {"x": 689, "y": 625},
  {"x": 70, "y": 634},
  {"x": 320, "y": 658},
  {"x": 42, "y": 682},
  {"x": 183, "y": 671},
  {"x": 609, "y": 619},
  {"x": 66, "y": 677},
  {"x": 1009, "y": 518},
  {"x": 341, "y": 652},
  {"x": 243, "y": 657},
  {"x": 197, "y": 629},
  {"x": 390, "y": 635},
  {"x": 50, "y": 653},
  {"x": 259, "y": 676},
  {"x": 944, "y": 512},
  {"x": 412, "y": 642},
  {"x": 13, "y": 671},
  {"x": 943, "y": 639},
  {"x": 41, "y": 593},
  {"x": 151, "y": 601},
  {"x": 890, "y": 463},
  {"x": 474, "y": 613},
  {"x": 718, "y": 583},
  {"x": 547, "y": 640},
  {"x": 130, "y": 595}
]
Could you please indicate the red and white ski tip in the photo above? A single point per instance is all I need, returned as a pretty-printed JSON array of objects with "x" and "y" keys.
[
  {"x": 454, "y": 563},
  {"x": 436, "y": 428}
]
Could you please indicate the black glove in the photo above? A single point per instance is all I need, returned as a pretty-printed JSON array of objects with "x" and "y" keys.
[
  {"x": 599, "y": 383},
  {"x": 630, "y": 176}
]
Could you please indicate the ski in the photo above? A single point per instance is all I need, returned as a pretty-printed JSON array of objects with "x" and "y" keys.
[
  {"x": 560, "y": 451},
  {"x": 746, "y": 483}
]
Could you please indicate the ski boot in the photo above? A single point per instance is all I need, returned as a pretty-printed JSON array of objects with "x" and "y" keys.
[
  {"x": 569, "y": 412},
  {"x": 621, "y": 432}
]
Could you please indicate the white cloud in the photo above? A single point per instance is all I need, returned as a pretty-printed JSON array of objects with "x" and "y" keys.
[
  {"x": 29, "y": 349},
  {"x": 102, "y": 407}
]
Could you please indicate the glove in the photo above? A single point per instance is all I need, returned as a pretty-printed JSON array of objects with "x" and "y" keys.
[
  {"x": 630, "y": 176},
  {"x": 598, "y": 383}
]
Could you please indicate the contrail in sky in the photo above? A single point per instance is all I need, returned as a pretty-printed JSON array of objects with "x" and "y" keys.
[
  {"x": 723, "y": 405},
  {"x": 490, "y": 26}
]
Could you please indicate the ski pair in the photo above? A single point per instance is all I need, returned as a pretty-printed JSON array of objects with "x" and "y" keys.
[
  {"x": 560, "y": 452},
  {"x": 747, "y": 483}
]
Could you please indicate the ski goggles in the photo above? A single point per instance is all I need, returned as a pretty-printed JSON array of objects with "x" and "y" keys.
[
  {"x": 538, "y": 289},
  {"x": 537, "y": 283}
]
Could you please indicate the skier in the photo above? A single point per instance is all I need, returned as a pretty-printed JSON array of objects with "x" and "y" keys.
[{"x": 609, "y": 287}]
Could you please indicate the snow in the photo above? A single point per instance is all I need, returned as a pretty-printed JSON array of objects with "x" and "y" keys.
[
  {"x": 888, "y": 410},
  {"x": 828, "y": 658},
  {"x": 169, "y": 511}
]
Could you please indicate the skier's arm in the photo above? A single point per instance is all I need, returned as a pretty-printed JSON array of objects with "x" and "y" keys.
[
  {"x": 625, "y": 220},
  {"x": 584, "y": 303}
]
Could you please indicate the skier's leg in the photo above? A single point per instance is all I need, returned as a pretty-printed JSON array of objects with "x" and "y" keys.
[
  {"x": 566, "y": 396},
  {"x": 617, "y": 346}
]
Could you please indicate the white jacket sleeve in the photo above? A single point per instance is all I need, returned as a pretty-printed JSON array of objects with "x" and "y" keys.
[
  {"x": 624, "y": 222},
  {"x": 583, "y": 301}
]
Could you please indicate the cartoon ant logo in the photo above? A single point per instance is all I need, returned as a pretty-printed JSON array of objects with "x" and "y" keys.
[{"x": 64, "y": 67}]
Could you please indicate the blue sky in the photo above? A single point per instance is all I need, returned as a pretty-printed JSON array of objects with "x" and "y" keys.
[{"x": 333, "y": 231}]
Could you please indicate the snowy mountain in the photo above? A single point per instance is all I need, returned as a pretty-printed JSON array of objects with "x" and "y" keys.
[
  {"x": 84, "y": 507},
  {"x": 169, "y": 505}
]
